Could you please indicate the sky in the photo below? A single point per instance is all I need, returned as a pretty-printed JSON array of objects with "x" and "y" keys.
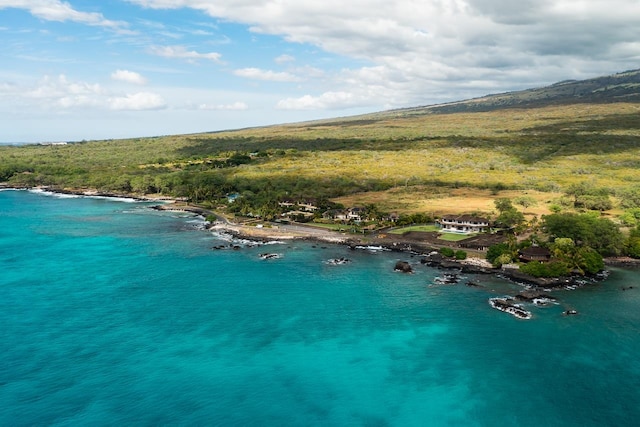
[{"x": 87, "y": 69}]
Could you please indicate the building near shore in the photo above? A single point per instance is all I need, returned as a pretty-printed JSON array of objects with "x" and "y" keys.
[
  {"x": 534, "y": 253},
  {"x": 465, "y": 224}
]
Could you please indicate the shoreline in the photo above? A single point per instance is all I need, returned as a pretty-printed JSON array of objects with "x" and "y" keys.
[{"x": 429, "y": 254}]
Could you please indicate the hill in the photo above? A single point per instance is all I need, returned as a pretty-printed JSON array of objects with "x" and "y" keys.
[
  {"x": 539, "y": 143},
  {"x": 621, "y": 87}
]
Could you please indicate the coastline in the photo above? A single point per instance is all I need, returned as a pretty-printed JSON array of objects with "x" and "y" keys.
[{"x": 429, "y": 254}]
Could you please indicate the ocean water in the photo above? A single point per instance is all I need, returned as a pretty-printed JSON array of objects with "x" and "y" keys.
[{"x": 115, "y": 314}]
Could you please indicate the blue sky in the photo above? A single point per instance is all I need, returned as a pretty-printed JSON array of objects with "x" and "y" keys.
[{"x": 80, "y": 69}]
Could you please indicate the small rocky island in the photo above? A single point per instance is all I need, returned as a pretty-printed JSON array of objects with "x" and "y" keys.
[
  {"x": 507, "y": 305},
  {"x": 403, "y": 266}
]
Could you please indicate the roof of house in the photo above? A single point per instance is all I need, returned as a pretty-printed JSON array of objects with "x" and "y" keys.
[
  {"x": 535, "y": 251},
  {"x": 464, "y": 218}
]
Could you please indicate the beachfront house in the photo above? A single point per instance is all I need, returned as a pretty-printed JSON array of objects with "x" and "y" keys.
[
  {"x": 392, "y": 217},
  {"x": 464, "y": 224},
  {"x": 306, "y": 206},
  {"x": 534, "y": 253},
  {"x": 346, "y": 215},
  {"x": 356, "y": 214},
  {"x": 335, "y": 215}
]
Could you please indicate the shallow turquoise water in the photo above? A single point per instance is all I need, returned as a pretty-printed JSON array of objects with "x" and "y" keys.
[{"x": 115, "y": 314}]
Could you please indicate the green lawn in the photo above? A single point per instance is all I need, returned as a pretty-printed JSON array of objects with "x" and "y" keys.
[
  {"x": 425, "y": 227},
  {"x": 336, "y": 227},
  {"x": 453, "y": 237}
]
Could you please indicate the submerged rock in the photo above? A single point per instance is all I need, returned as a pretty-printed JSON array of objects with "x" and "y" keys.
[
  {"x": 338, "y": 261},
  {"x": 447, "y": 279},
  {"x": 270, "y": 256},
  {"x": 531, "y": 295}
]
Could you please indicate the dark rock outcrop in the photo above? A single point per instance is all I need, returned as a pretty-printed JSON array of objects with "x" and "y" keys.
[
  {"x": 531, "y": 294},
  {"x": 403, "y": 266}
]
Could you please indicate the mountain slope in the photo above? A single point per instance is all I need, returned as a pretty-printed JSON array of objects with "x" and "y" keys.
[{"x": 621, "y": 87}]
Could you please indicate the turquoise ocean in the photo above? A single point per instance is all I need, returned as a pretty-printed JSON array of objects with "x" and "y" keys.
[{"x": 115, "y": 314}]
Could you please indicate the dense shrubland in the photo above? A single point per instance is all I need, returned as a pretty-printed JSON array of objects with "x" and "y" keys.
[
  {"x": 587, "y": 153},
  {"x": 577, "y": 243},
  {"x": 550, "y": 149}
]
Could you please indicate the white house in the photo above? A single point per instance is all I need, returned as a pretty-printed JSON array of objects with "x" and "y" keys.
[
  {"x": 351, "y": 214},
  {"x": 463, "y": 224}
]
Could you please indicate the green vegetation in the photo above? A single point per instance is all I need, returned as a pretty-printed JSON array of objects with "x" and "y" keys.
[
  {"x": 424, "y": 228},
  {"x": 576, "y": 242},
  {"x": 501, "y": 253},
  {"x": 448, "y": 252},
  {"x": 460, "y": 255},
  {"x": 586, "y": 230},
  {"x": 548, "y": 269},
  {"x": 547, "y": 149},
  {"x": 587, "y": 196},
  {"x": 633, "y": 243},
  {"x": 571, "y": 162},
  {"x": 508, "y": 215},
  {"x": 453, "y": 237}
]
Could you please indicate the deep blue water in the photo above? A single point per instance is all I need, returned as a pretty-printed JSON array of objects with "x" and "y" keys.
[{"x": 115, "y": 314}]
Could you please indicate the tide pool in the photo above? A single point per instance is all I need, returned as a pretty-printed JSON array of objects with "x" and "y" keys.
[{"x": 115, "y": 314}]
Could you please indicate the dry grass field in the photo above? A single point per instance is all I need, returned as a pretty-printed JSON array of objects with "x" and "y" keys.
[
  {"x": 455, "y": 201},
  {"x": 404, "y": 161}
]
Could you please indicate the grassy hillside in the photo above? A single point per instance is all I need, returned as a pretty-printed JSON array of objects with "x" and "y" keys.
[
  {"x": 402, "y": 160},
  {"x": 621, "y": 87}
]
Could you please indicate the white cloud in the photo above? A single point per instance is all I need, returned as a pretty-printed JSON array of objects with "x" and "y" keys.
[
  {"x": 358, "y": 55},
  {"x": 128, "y": 77},
  {"x": 137, "y": 102},
  {"x": 77, "y": 101},
  {"x": 60, "y": 93},
  {"x": 56, "y": 10},
  {"x": 268, "y": 75},
  {"x": 308, "y": 72},
  {"x": 182, "y": 53},
  {"x": 284, "y": 58},
  {"x": 326, "y": 101},
  {"x": 443, "y": 49},
  {"x": 56, "y": 88},
  {"x": 8, "y": 88},
  {"x": 236, "y": 106}
]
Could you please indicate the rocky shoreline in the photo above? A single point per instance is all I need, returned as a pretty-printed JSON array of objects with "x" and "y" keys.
[
  {"x": 432, "y": 258},
  {"x": 568, "y": 282},
  {"x": 429, "y": 255}
]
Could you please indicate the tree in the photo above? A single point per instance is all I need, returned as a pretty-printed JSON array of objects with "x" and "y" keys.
[
  {"x": 607, "y": 238},
  {"x": 629, "y": 197},
  {"x": 460, "y": 254},
  {"x": 502, "y": 259},
  {"x": 585, "y": 195},
  {"x": 595, "y": 202},
  {"x": 448, "y": 252},
  {"x": 495, "y": 251},
  {"x": 525, "y": 201},
  {"x": 630, "y": 217},
  {"x": 503, "y": 204},
  {"x": 591, "y": 261},
  {"x": 372, "y": 212},
  {"x": 508, "y": 215},
  {"x": 580, "y": 259},
  {"x": 586, "y": 230},
  {"x": 545, "y": 269},
  {"x": 632, "y": 246}
]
